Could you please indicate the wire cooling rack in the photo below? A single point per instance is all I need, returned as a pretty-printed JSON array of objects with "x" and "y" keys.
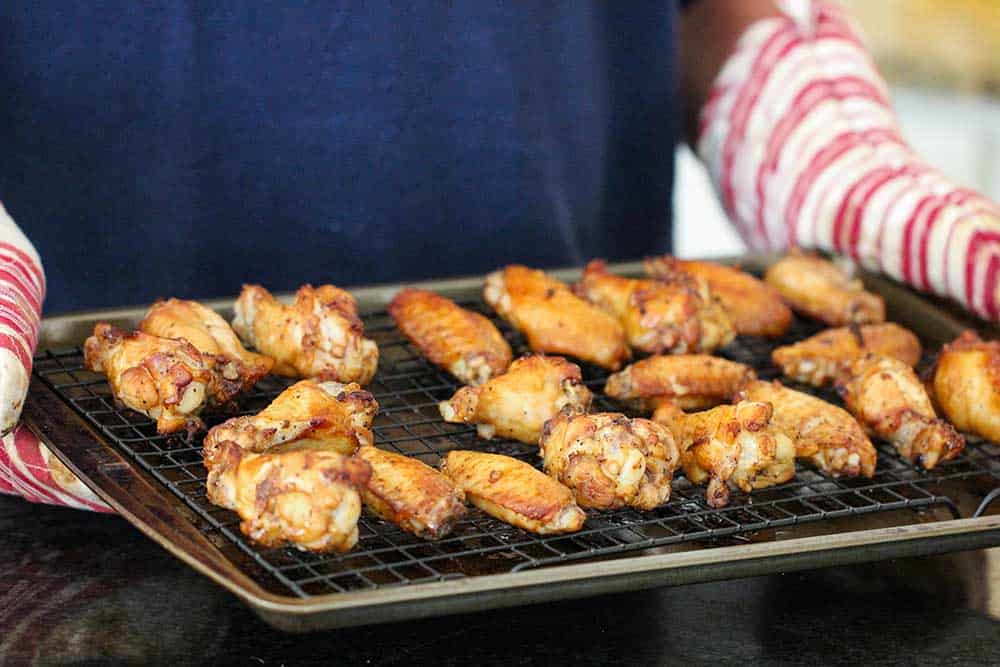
[{"x": 408, "y": 389}]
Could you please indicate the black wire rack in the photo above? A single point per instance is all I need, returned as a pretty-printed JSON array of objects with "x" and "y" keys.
[{"x": 408, "y": 389}]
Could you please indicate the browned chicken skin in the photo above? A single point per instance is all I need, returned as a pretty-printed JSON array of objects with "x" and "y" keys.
[
  {"x": 514, "y": 492},
  {"x": 674, "y": 314},
  {"x": 609, "y": 461},
  {"x": 816, "y": 359},
  {"x": 967, "y": 385},
  {"x": 320, "y": 335},
  {"x": 819, "y": 289},
  {"x": 553, "y": 319},
  {"x": 518, "y": 403},
  {"x": 887, "y": 397},
  {"x": 691, "y": 381},
  {"x": 754, "y": 307},
  {"x": 462, "y": 342}
]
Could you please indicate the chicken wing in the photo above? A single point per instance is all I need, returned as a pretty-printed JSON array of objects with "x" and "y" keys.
[
  {"x": 514, "y": 492},
  {"x": 819, "y": 289},
  {"x": 691, "y": 381},
  {"x": 674, "y": 314},
  {"x": 410, "y": 494},
  {"x": 754, "y": 307},
  {"x": 816, "y": 360},
  {"x": 462, "y": 342},
  {"x": 165, "y": 379},
  {"x": 320, "y": 335},
  {"x": 609, "y": 461},
  {"x": 888, "y": 398},
  {"x": 518, "y": 403},
  {"x": 825, "y": 435},
  {"x": 967, "y": 385},
  {"x": 733, "y": 446},
  {"x": 553, "y": 319}
]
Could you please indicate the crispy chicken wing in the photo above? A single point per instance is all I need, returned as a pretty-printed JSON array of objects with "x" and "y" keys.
[
  {"x": 674, "y": 314},
  {"x": 165, "y": 379},
  {"x": 320, "y": 335},
  {"x": 733, "y": 446},
  {"x": 514, "y": 492},
  {"x": 691, "y": 381},
  {"x": 820, "y": 289},
  {"x": 462, "y": 342},
  {"x": 816, "y": 359},
  {"x": 553, "y": 319},
  {"x": 824, "y": 434},
  {"x": 518, "y": 403},
  {"x": 967, "y": 385},
  {"x": 410, "y": 494},
  {"x": 754, "y": 307},
  {"x": 888, "y": 398},
  {"x": 610, "y": 461}
]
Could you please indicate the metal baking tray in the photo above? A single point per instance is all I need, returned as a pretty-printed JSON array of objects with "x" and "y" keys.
[{"x": 157, "y": 483}]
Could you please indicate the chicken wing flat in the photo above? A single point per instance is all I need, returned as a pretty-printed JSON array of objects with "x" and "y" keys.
[
  {"x": 555, "y": 320},
  {"x": 410, "y": 494},
  {"x": 967, "y": 385},
  {"x": 304, "y": 497},
  {"x": 518, "y": 403},
  {"x": 320, "y": 335},
  {"x": 754, "y": 307},
  {"x": 609, "y": 461},
  {"x": 462, "y": 342},
  {"x": 691, "y": 381},
  {"x": 817, "y": 359},
  {"x": 825, "y": 435},
  {"x": 165, "y": 379},
  {"x": 817, "y": 288},
  {"x": 674, "y": 314},
  {"x": 514, "y": 492},
  {"x": 887, "y": 397}
]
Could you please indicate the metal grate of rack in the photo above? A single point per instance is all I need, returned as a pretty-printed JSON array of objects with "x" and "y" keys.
[{"x": 408, "y": 389}]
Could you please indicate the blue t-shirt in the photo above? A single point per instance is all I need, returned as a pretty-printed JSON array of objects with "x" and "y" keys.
[{"x": 183, "y": 148}]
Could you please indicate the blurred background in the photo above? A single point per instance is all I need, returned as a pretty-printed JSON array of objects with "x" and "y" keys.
[{"x": 942, "y": 58}]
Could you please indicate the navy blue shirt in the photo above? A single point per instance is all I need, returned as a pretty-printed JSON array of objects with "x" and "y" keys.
[{"x": 182, "y": 148}]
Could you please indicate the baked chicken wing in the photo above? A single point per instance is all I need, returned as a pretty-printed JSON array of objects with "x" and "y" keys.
[
  {"x": 462, "y": 342},
  {"x": 817, "y": 359},
  {"x": 754, "y": 307},
  {"x": 674, "y": 314},
  {"x": 825, "y": 435},
  {"x": 514, "y": 492},
  {"x": 888, "y": 398},
  {"x": 818, "y": 288},
  {"x": 319, "y": 335},
  {"x": 518, "y": 403},
  {"x": 967, "y": 385},
  {"x": 609, "y": 461},
  {"x": 553, "y": 319},
  {"x": 691, "y": 381}
]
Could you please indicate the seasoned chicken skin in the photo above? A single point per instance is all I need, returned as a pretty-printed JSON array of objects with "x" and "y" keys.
[
  {"x": 609, "y": 461},
  {"x": 212, "y": 336},
  {"x": 825, "y": 435},
  {"x": 320, "y": 335},
  {"x": 818, "y": 288},
  {"x": 733, "y": 446},
  {"x": 462, "y": 342},
  {"x": 888, "y": 398},
  {"x": 691, "y": 381},
  {"x": 553, "y": 319},
  {"x": 518, "y": 403},
  {"x": 674, "y": 314},
  {"x": 967, "y": 385},
  {"x": 514, "y": 492},
  {"x": 817, "y": 359},
  {"x": 754, "y": 307},
  {"x": 410, "y": 494},
  {"x": 165, "y": 379}
]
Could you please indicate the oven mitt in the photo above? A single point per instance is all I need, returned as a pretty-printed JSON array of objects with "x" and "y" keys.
[{"x": 805, "y": 150}]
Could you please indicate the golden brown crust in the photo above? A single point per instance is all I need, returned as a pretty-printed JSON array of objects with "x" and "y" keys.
[
  {"x": 689, "y": 380},
  {"x": 819, "y": 289},
  {"x": 966, "y": 385}
]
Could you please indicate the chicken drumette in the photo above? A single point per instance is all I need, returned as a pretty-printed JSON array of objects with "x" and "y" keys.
[
  {"x": 691, "y": 381},
  {"x": 967, "y": 385},
  {"x": 818, "y": 288}
]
